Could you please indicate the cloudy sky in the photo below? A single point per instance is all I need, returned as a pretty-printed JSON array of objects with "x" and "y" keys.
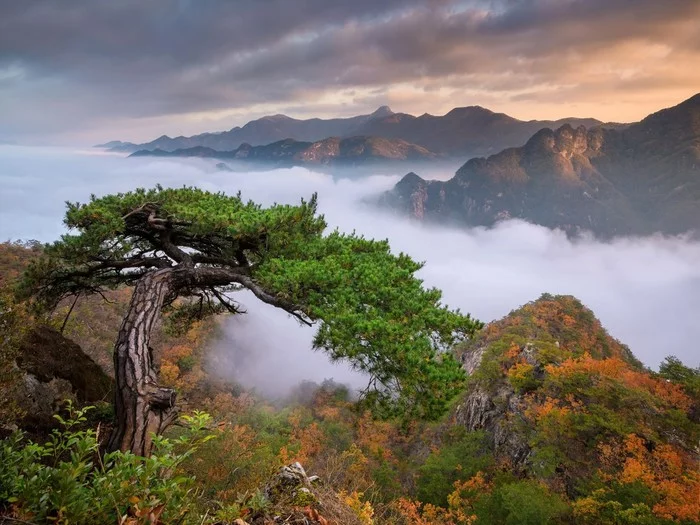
[{"x": 81, "y": 72}]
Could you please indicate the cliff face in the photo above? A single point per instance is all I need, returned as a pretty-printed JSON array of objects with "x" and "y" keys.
[{"x": 637, "y": 180}]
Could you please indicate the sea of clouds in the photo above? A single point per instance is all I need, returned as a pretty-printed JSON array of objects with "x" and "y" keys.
[{"x": 646, "y": 291}]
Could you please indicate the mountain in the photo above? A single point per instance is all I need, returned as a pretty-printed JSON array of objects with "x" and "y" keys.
[
  {"x": 559, "y": 401},
  {"x": 639, "y": 179},
  {"x": 468, "y": 131},
  {"x": 289, "y": 152},
  {"x": 118, "y": 145},
  {"x": 463, "y": 132},
  {"x": 263, "y": 131}
]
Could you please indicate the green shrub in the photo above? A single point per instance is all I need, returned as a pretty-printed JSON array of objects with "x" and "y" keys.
[
  {"x": 464, "y": 454},
  {"x": 523, "y": 502},
  {"x": 66, "y": 481}
]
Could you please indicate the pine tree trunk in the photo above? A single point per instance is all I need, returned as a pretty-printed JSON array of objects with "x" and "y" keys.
[{"x": 142, "y": 408}]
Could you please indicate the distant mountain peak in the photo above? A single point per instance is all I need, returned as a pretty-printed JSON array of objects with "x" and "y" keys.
[
  {"x": 276, "y": 117},
  {"x": 382, "y": 111},
  {"x": 469, "y": 110}
]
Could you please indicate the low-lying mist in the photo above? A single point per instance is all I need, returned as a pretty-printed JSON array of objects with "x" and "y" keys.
[{"x": 646, "y": 291}]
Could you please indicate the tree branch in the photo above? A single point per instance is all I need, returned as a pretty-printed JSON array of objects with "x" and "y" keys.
[{"x": 208, "y": 276}]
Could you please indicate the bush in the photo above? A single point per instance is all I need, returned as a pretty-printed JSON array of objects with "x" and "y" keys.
[
  {"x": 460, "y": 458},
  {"x": 517, "y": 502},
  {"x": 530, "y": 503},
  {"x": 65, "y": 481}
]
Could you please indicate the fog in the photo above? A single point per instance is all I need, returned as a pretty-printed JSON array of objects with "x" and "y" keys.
[{"x": 645, "y": 291}]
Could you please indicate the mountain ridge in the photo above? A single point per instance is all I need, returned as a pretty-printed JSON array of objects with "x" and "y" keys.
[
  {"x": 259, "y": 132},
  {"x": 461, "y": 132},
  {"x": 290, "y": 152},
  {"x": 636, "y": 180}
]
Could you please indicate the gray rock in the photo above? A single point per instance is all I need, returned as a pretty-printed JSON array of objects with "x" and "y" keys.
[
  {"x": 290, "y": 485},
  {"x": 55, "y": 369},
  {"x": 497, "y": 410},
  {"x": 472, "y": 359}
]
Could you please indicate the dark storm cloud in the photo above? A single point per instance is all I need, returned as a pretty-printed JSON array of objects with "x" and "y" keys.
[{"x": 69, "y": 64}]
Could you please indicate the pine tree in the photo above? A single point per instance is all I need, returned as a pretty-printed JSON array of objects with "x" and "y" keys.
[{"x": 198, "y": 246}]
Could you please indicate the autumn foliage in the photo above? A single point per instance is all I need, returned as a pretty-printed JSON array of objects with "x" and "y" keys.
[{"x": 609, "y": 441}]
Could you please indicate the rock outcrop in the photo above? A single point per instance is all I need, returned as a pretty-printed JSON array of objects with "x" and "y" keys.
[
  {"x": 498, "y": 410},
  {"x": 55, "y": 369},
  {"x": 295, "y": 497}
]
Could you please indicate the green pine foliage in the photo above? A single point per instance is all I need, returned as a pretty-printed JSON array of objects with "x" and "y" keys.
[{"x": 371, "y": 309}]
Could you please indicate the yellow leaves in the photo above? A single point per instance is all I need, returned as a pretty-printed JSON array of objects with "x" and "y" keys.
[
  {"x": 635, "y": 470},
  {"x": 568, "y": 320},
  {"x": 306, "y": 440},
  {"x": 460, "y": 509},
  {"x": 181, "y": 358},
  {"x": 681, "y": 498},
  {"x": 375, "y": 436},
  {"x": 169, "y": 372},
  {"x": 362, "y": 509},
  {"x": 461, "y": 500},
  {"x": 328, "y": 412},
  {"x": 668, "y": 392},
  {"x": 225, "y": 404},
  {"x": 285, "y": 458},
  {"x": 411, "y": 512},
  {"x": 611, "y": 367},
  {"x": 588, "y": 509},
  {"x": 520, "y": 371},
  {"x": 513, "y": 350}
]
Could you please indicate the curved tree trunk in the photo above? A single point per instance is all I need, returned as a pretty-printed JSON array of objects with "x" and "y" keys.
[{"x": 142, "y": 408}]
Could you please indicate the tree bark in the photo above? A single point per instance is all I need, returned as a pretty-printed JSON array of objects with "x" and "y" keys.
[{"x": 142, "y": 408}]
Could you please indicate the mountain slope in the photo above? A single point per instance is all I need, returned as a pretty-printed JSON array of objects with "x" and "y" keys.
[
  {"x": 636, "y": 180},
  {"x": 288, "y": 152}
]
